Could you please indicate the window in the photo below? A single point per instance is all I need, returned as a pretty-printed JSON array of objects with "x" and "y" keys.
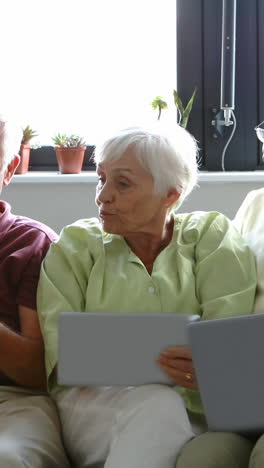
[
  {"x": 85, "y": 67},
  {"x": 199, "y": 36}
]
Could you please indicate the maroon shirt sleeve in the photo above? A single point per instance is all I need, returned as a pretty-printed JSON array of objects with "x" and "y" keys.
[
  {"x": 28, "y": 283},
  {"x": 23, "y": 245}
]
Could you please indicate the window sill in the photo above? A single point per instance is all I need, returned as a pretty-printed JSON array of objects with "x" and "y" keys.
[
  {"x": 231, "y": 176},
  {"x": 54, "y": 178},
  {"x": 91, "y": 177}
]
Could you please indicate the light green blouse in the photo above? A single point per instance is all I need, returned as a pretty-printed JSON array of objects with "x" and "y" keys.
[{"x": 206, "y": 269}]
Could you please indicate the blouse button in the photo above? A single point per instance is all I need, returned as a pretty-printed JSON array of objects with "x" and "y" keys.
[{"x": 151, "y": 290}]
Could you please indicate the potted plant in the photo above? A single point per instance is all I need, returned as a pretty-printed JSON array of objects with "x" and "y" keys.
[
  {"x": 69, "y": 152},
  {"x": 159, "y": 104},
  {"x": 184, "y": 112},
  {"x": 24, "y": 151}
]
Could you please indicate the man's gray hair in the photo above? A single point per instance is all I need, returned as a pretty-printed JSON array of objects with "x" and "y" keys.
[
  {"x": 169, "y": 155},
  {"x": 10, "y": 140}
]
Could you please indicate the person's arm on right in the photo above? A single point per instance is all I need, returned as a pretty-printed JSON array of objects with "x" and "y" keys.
[{"x": 226, "y": 285}]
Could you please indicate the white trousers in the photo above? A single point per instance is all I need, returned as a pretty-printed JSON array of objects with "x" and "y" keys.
[
  {"x": 30, "y": 433},
  {"x": 132, "y": 427}
]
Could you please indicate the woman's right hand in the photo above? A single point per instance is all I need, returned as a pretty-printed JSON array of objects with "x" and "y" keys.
[{"x": 177, "y": 363}]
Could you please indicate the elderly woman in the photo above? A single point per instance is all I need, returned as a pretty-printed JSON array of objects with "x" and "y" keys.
[{"x": 141, "y": 256}]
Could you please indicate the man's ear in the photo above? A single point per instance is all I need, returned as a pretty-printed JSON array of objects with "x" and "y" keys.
[
  {"x": 10, "y": 170},
  {"x": 172, "y": 197}
]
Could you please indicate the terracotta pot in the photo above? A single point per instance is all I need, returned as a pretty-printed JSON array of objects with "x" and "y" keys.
[
  {"x": 24, "y": 154},
  {"x": 70, "y": 160}
]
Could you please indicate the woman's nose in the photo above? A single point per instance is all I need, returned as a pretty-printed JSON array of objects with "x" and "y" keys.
[{"x": 104, "y": 194}]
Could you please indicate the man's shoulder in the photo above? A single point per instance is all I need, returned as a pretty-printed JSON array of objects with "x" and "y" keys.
[
  {"x": 34, "y": 228},
  {"x": 15, "y": 226}
]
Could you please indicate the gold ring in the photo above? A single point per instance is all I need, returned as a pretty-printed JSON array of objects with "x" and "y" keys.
[{"x": 188, "y": 376}]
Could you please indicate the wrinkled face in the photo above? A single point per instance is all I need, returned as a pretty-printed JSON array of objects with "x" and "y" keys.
[
  {"x": 2, "y": 175},
  {"x": 2, "y": 171},
  {"x": 6, "y": 174},
  {"x": 125, "y": 197}
]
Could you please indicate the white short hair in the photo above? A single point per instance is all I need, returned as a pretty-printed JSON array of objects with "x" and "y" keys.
[
  {"x": 10, "y": 141},
  {"x": 169, "y": 155}
]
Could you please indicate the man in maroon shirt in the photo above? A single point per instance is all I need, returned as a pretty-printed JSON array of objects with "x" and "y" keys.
[{"x": 29, "y": 426}]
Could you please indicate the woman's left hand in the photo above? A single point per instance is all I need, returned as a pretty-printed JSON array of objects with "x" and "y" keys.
[{"x": 177, "y": 363}]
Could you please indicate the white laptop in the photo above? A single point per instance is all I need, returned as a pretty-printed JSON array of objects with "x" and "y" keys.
[
  {"x": 228, "y": 356},
  {"x": 116, "y": 349}
]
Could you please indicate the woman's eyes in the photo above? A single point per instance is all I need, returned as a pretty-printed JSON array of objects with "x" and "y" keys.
[
  {"x": 123, "y": 184},
  {"x": 100, "y": 182},
  {"x": 119, "y": 183}
]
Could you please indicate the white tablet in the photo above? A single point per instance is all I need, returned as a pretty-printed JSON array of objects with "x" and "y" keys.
[
  {"x": 116, "y": 349},
  {"x": 228, "y": 358}
]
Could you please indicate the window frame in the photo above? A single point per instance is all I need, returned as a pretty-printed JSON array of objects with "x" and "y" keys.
[{"x": 199, "y": 37}]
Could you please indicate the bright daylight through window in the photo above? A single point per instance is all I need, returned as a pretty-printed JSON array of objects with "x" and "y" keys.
[{"x": 87, "y": 67}]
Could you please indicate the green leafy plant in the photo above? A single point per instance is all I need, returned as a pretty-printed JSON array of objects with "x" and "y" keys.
[
  {"x": 184, "y": 112},
  {"x": 159, "y": 104},
  {"x": 64, "y": 141},
  {"x": 28, "y": 134}
]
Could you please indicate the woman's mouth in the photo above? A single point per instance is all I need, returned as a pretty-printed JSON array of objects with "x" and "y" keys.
[{"x": 105, "y": 214}]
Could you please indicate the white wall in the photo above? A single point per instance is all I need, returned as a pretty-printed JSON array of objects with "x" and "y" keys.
[
  {"x": 55, "y": 205},
  {"x": 59, "y": 204}
]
